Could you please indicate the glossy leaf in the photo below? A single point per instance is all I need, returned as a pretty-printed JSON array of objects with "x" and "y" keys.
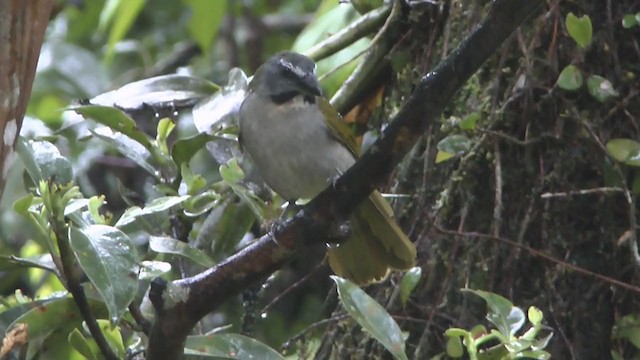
[
  {"x": 150, "y": 269},
  {"x": 409, "y": 282},
  {"x": 601, "y": 88},
  {"x": 206, "y": 18},
  {"x": 184, "y": 149},
  {"x": 154, "y": 206},
  {"x": 43, "y": 161},
  {"x": 624, "y": 150},
  {"x": 229, "y": 346},
  {"x": 451, "y": 146},
  {"x": 506, "y": 317},
  {"x": 115, "y": 119},
  {"x": 371, "y": 316},
  {"x": 112, "y": 335},
  {"x": 630, "y": 20},
  {"x": 225, "y": 226},
  {"x": 108, "y": 257},
  {"x": 579, "y": 29},
  {"x": 157, "y": 91},
  {"x": 167, "y": 245},
  {"x": 221, "y": 109},
  {"x": 570, "y": 78},
  {"x": 127, "y": 147},
  {"x": 44, "y": 261}
]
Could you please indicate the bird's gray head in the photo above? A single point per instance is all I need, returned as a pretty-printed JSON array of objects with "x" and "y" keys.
[{"x": 285, "y": 76}]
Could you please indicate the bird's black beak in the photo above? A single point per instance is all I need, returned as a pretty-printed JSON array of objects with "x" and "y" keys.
[{"x": 311, "y": 85}]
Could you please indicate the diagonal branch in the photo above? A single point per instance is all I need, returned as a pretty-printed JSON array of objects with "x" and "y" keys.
[{"x": 203, "y": 293}]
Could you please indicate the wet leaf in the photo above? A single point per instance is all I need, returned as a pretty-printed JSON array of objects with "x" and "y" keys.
[
  {"x": 153, "y": 207},
  {"x": 229, "y": 346},
  {"x": 601, "y": 88},
  {"x": 150, "y": 269},
  {"x": 221, "y": 109},
  {"x": 43, "y": 161},
  {"x": 127, "y": 147},
  {"x": 44, "y": 261},
  {"x": 579, "y": 29},
  {"x": 184, "y": 149},
  {"x": 570, "y": 78},
  {"x": 629, "y": 21},
  {"x": 108, "y": 257},
  {"x": 167, "y": 245},
  {"x": 506, "y": 317},
  {"x": 115, "y": 119},
  {"x": 225, "y": 226},
  {"x": 157, "y": 91},
  {"x": 371, "y": 316}
]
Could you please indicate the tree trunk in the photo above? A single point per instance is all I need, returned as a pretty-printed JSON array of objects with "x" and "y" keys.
[
  {"x": 22, "y": 27},
  {"x": 524, "y": 212}
]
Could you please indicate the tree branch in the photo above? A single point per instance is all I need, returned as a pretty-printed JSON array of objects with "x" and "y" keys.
[{"x": 181, "y": 304}]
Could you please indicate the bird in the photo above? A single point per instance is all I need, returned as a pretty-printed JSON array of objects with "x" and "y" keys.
[{"x": 299, "y": 144}]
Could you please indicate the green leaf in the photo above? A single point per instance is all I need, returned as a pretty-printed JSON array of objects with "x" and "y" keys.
[
  {"x": 601, "y": 88},
  {"x": 579, "y": 29},
  {"x": 153, "y": 207},
  {"x": 229, "y": 346},
  {"x": 535, "y": 315},
  {"x": 451, "y": 146},
  {"x": 506, "y": 317},
  {"x": 128, "y": 147},
  {"x": 628, "y": 327},
  {"x": 629, "y": 20},
  {"x": 112, "y": 335},
  {"x": 115, "y": 119},
  {"x": 624, "y": 150},
  {"x": 81, "y": 344},
  {"x": 443, "y": 156},
  {"x": 45, "y": 317},
  {"x": 409, "y": 282},
  {"x": 165, "y": 127},
  {"x": 469, "y": 121},
  {"x": 184, "y": 149},
  {"x": 150, "y": 269},
  {"x": 159, "y": 91},
  {"x": 231, "y": 172},
  {"x": 125, "y": 15},
  {"x": 225, "y": 226},
  {"x": 371, "y": 316},
  {"x": 454, "y": 347},
  {"x": 570, "y": 78},
  {"x": 21, "y": 206},
  {"x": 167, "y": 245},
  {"x": 206, "y": 18},
  {"x": 43, "y": 161},
  {"x": 44, "y": 261},
  {"x": 220, "y": 110},
  {"x": 108, "y": 257}
]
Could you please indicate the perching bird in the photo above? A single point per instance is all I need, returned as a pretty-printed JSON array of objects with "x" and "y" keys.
[{"x": 299, "y": 143}]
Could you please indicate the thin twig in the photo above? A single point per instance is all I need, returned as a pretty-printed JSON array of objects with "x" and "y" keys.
[
  {"x": 363, "y": 26},
  {"x": 543, "y": 255},
  {"x": 599, "y": 191}
]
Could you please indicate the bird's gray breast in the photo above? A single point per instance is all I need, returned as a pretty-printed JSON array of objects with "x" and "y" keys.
[{"x": 291, "y": 146}]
